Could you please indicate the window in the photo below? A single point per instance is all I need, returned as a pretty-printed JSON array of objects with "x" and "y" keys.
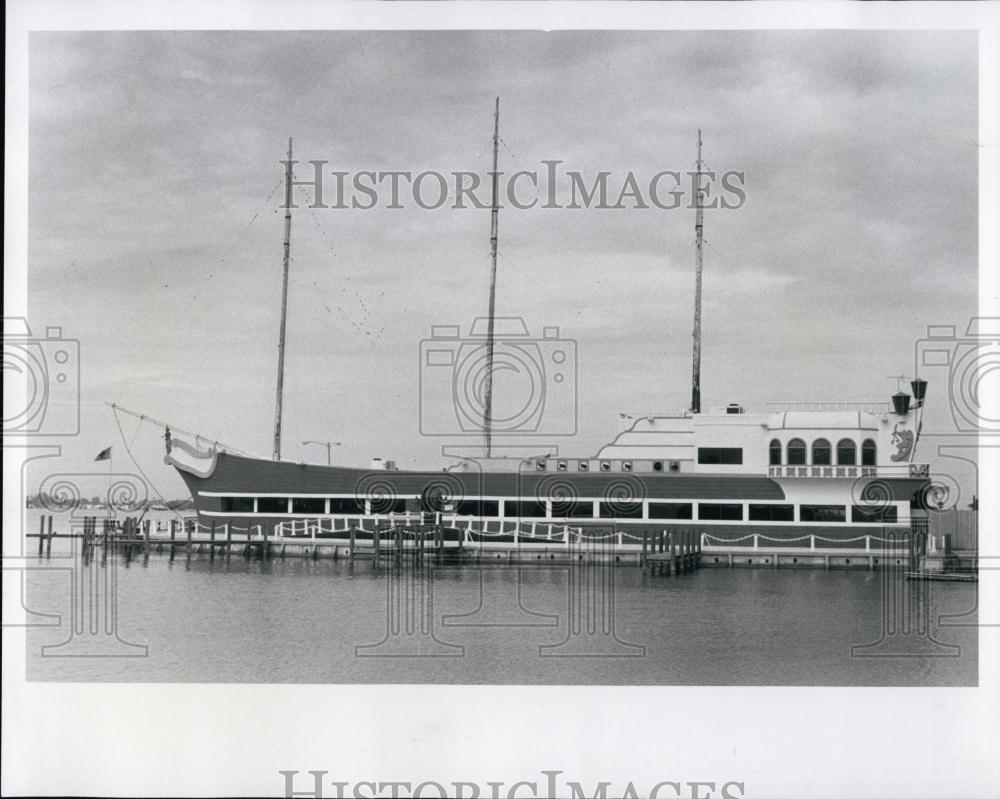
[
  {"x": 525, "y": 509},
  {"x": 721, "y": 455},
  {"x": 713, "y": 511},
  {"x": 272, "y": 505},
  {"x": 796, "y": 452},
  {"x": 346, "y": 505},
  {"x": 772, "y": 513},
  {"x": 822, "y": 513},
  {"x": 821, "y": 452},
  {"x": 669, "y": 510},
  {"x": 621, "y": 509},
  {"x": 387, "y": 504},
  {"x": 657, "y": 466},
  {"x": 237, "y": 504},
  {"x": 868, "y": 452},
  {"x": 775, "y": 452},
  {"x": 573, "y": 508},
  {"x": 308, "y": 505},
  {"x": 847, "y": 452},
  {"x": 863, "y": 514},
  {"x": 478, "y": 507}
]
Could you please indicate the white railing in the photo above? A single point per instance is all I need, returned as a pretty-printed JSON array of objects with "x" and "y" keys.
[
  {"x": 865, "y": 407},
  {"x": 915, "y": 470}
]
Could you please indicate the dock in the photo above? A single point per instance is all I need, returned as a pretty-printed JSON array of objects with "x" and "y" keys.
[{"x": 409, "y": 539}]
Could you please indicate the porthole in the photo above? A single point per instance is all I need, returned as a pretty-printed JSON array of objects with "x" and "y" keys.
[{"x": 657, "y": 466}]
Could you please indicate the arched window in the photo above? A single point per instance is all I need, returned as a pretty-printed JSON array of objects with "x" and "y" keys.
[
  {"x": 796, "y": 452},
  {"x": 869, "y": 452},
  {"x": 847, "y": 452},
  {"x": 821, "y": 452},
  {"x": 775, "y": 451}
]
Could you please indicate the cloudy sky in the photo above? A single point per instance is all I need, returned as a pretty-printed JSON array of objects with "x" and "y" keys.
[{"x": 155, "y": 236}]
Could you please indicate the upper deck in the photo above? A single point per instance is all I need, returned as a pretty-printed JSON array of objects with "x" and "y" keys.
[{"x": 779, "y": 443}]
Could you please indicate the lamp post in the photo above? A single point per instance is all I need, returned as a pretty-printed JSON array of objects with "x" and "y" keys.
[{"x": 329, "y": 448}]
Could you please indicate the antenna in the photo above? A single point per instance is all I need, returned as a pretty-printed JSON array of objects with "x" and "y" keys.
[
  {"x": 284, "y": 303},
  {"x": 698, "y": 230},
  {"x": 494, "y": 232}
]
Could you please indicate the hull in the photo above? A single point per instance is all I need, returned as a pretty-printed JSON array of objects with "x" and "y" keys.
[{"x": 295, "y": 498}]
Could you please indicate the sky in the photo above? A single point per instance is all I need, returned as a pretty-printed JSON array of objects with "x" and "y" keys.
[{"x": 155, "y": 232}]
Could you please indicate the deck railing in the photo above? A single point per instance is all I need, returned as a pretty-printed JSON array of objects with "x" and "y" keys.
[
  {"x": 876, "y": 408},
  {"x": 913, "y": 470}
]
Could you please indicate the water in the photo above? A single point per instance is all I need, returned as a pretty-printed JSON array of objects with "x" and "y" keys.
[{"x": 300, "y": 621}]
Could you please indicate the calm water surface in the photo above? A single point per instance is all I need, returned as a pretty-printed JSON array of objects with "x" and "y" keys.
[{"x": 302, "y": 621}]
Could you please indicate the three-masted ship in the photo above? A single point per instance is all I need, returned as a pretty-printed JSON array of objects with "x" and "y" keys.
[{"x": 828, "y": 471}]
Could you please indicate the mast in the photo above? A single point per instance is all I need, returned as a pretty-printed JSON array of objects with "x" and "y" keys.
[
  {"x": 284, "y": 302},
  {"x": 698, "y": 230},
  {"x": 494, "y": 231}
]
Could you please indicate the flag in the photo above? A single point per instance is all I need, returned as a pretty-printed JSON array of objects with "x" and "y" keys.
[{"x": 104, "y": 455}]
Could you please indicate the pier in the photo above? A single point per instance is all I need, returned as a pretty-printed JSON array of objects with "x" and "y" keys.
[
  {"x": 409, "y": 538},
  {"x": 400, "y": 540}
]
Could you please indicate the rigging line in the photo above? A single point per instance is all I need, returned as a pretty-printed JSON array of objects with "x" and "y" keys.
[
  {"x": 128, "y": 450},
  {"x": 137, "y": 428},
  {"x": 264, "y": 204},
  {"x": 180, "y": 430}
]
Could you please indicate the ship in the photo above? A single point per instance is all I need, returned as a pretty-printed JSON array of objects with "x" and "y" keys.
[{"x": 833, "y": 472}]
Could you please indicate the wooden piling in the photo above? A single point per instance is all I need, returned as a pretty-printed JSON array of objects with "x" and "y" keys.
[
  {"x": 211, "y": 542},
  {"x": 173, "y": 536},
  {"x": 229, "y": 538},
  {"x": 375, "y": 545},
  {"x": 353, "y": 539},
  {"x": 673, "y": 554},
  {"x": 645, "y": 545}
]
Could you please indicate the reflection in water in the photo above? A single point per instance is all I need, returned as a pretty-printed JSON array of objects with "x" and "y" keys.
[{"x": 234, "y": 619}]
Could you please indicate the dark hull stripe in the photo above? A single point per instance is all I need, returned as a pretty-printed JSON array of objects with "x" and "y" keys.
[{"x": 234, "y": 474}]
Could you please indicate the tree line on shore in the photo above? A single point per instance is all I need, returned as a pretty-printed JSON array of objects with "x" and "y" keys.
[{"x": 46, "y": 501}]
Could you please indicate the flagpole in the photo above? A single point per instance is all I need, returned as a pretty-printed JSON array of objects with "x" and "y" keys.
[{"x": 111, "y": 468}]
